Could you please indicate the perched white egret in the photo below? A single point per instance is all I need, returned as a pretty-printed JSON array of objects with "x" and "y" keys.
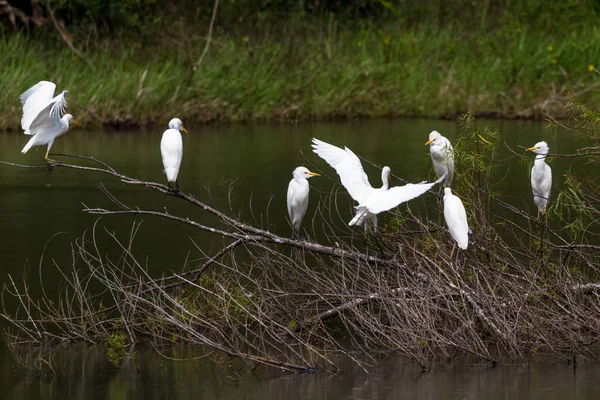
[
  {"x": 171, "y": 149},
  {"x": 42, "y": 115},
  {"x": 371, "y": 201},
  {"x": 297, "y": 196},
  {"x": 541, "y": 177},
  {"x": 456, "y": 220},
  {"x": 442, "y": 156}
]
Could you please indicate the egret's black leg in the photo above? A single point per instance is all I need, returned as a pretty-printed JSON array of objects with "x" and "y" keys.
[
  {"x": 177, "y": 185},
  {"x": 378, "y": 244}
]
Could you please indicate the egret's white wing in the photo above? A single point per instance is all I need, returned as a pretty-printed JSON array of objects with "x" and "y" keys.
[
  {"x": 348, "y": 167},
  {"x": 60, "y": 103},
  {"x": 290, "y": 199},
  {"x": 45, "y": 122},
  {"x": 386, "y": 200},
  {"x": 34, "y": 100}
]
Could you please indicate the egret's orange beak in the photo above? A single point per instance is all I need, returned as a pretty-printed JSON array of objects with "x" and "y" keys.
[
  {"x": 428, "y": 142},
  {"x": 532, "y": 148},
  {"x": 313, "y": 174},
  {"x": 183, "y": 129}
]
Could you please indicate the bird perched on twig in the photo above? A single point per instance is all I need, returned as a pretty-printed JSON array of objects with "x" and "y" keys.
[
  {"x": 42, "y": 115},
  {"x": 442, "y": 156},
  {"x": 171, "y": 150},
  {"x": 541, "y": 177},
  {"x": 297, "y": 196},
  {"x": 456, "y": 220}
]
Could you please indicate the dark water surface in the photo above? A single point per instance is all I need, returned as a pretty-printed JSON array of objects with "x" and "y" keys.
[{"x": 248, "y": 167}]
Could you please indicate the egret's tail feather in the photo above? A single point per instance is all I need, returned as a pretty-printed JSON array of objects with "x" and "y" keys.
[
  {"x": 362, "y": 214},
  {"x": 27, "y": 146}
]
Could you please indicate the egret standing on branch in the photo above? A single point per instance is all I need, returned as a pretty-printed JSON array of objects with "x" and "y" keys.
[
  {"x": 371, "y": 201},
  {"x": 171, "y": 149},
  {"x": 541, "y": 177},
  {"x": 297, "y": 196},
  {"x": 456, "y": 220},
  {"x": 42, "y": 115},
  {"x": 442, "y": 156}
]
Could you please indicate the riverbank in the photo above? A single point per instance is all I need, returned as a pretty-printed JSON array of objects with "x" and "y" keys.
[{"x": 314, "y": 70}]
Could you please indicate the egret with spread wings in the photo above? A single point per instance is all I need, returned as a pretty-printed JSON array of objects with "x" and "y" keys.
[
  {"x": 371, "y": 201},
  {"x": 42, "y": 115}
]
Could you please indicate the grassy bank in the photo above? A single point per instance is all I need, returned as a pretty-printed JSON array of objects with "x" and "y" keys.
[{"x": 324, "y": 69}]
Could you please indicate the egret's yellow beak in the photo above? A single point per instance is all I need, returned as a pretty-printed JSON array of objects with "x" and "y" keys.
[
  {"x": 389, "y": 178},
  {"x": 75, "y": 123},
  {"x": 532, "y": 148},
  {"x": 313, "y": 174},
  {"x": 428, "y": 142},
  {"x": 183, "y": 129}
]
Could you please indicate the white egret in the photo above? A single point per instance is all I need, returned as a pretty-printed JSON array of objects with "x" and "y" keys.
[
  {"x": 541, "y": 177},
  {"x": 171, "y": 149},
  {"x": 42, "y": 115},
  {"x": 456, "y": 220},
  {"x": 442, "y": 156},
  {"x": 371, "y": 201},
  {"x": 297, "y": 196}
]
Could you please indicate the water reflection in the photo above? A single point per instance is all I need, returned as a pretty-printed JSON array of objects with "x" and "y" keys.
[
  {"x": 238, "y": 164},
  {"x": 86, "y": 373}
]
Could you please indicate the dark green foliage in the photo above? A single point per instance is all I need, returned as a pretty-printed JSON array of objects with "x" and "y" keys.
[{"x": 143, "y": 15}]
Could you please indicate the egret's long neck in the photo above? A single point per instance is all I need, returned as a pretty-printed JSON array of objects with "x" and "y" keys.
[
  {"x": 300, "y": 179},
  {"x": 65, "y": 124},
  {"x": 385, "y": 180},
  {"x": 540, "y": 159}
]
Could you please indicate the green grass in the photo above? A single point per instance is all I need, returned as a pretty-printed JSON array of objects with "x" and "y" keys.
[{"x": 327, "y": 71}]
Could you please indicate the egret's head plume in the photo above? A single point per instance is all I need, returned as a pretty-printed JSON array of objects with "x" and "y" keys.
[
  {"x": 433, "y": 136},
  {"x": 540, "y": 148}
]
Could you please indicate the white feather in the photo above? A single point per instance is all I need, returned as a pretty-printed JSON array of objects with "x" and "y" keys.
[
  {"x": 34, "y": 100},
  {"x": 384, "y": 201},
  {"x": 348, "y": 167}
]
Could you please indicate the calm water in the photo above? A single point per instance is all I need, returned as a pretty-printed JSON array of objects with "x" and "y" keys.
[{"x": 249, "y": 166}]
